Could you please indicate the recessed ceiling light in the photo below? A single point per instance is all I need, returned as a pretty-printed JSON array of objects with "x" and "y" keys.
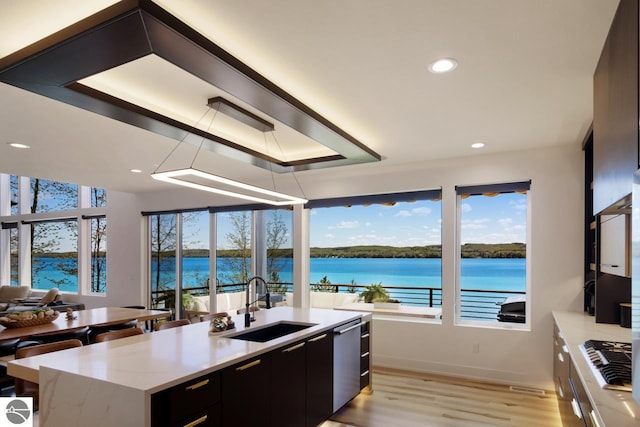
[
  {"x": 136, "y": 171},
  {"x": 443, "y": 65},
  {"x": 18, "y": 145},
  {"x": 477, "y": 145}
]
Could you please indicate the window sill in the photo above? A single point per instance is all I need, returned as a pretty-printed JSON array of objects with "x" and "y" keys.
[{"x": 402, "y": 311}]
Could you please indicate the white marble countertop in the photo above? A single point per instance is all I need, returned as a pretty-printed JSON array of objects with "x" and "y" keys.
[
  {"x": 155, "y": 361},
  {"x": 615, "y": 408}
]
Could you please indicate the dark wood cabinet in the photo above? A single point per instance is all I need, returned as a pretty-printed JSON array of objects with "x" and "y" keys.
[
  {"x": 615, "y": 117},
  {"x": 561, "y": 372},
  {"x": 319, "y": 387},
  {"x": 195, "y": 402},
  {"x": 288, "y": 382},
  {"x": 246, "y": 393}
]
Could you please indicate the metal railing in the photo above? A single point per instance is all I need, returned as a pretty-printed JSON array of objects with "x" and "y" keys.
[{"x": 474, "y": 304}]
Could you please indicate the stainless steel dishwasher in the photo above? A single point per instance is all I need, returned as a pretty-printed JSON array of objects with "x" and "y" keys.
[{"x": 346, "y": 363}]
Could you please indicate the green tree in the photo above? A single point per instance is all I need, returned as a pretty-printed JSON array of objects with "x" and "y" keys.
[
  {"x": 163, "y": 250},
  {"x": 276, "y": 238},
  {"x": 98, "y": 243},
  {"x": 238, "y": 264}
]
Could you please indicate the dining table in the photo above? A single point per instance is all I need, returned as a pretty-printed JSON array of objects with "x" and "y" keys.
[{"x": 92, "y": 317}]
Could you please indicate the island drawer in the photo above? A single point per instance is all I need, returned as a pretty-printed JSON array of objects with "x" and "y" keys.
[{"x": 185, "y": 400}]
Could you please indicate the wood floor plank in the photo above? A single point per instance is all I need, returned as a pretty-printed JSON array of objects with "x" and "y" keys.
[{"x": 410, "y": 399}]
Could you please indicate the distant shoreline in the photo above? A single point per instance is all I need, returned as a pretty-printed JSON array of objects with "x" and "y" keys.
[{"x": 469, "y": 250}]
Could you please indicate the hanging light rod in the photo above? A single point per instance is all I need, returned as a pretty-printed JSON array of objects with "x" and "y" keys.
[
  {"x": 199, "y": 180},
  {"x": 230, "y": 109}
]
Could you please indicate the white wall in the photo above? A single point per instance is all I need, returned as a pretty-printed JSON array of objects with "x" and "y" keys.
[
  {"x": 555, "y": 253},
  {"x": 556, "y": 256}
]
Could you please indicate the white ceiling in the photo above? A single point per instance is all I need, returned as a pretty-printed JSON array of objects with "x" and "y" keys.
[{"x": 524, "y": 80}]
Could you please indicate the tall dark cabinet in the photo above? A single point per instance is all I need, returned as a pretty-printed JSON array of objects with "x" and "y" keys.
[
  {"x": 612, "y": 149},
  {"x": 615, "y": 111}
]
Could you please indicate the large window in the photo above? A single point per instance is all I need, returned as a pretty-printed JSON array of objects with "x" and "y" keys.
[
  {"x": 163, "y": 259},
  {"x": 98, "y": 254},
  {"x": 195, "y": 252},
  {"x": 492, "y": 285},
  {"x": 279, "y": 250},
  {"x": 54, "y": 255},
  {"x": 388, "y": 242},
  {"x": 40, "y": 235},
  {"x": 233, "y": 249},
  {"x": 47, "y": 196}
]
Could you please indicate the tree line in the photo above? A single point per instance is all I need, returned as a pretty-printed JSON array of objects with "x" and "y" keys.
[{"x": 469, "y": 250}]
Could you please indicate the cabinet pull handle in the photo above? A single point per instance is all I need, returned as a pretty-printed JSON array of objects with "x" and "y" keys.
[
  {"x": 561, "y": 357},
  {"x": 197, "y": 385},
  {"x": 249, "y": 365},
  {"x": 576, "y": 408},
  {"x": 196, "y": 422},
  {"x": 560, "y": 391},
  {"x": 350, "y": 328},
  {"x": 365, "y": 336},
  {"x": 365, "y": 373},
  {"x": 594, "y": 420},
  {"x": 364, "y": 354},
  {"x": 293, "y": 348},
  {"x": 318, "y": 338},
  {"x": 565, "y": 349}
]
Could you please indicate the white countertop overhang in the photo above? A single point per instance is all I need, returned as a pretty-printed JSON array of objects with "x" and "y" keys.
[{"x": 158, "y": 360}]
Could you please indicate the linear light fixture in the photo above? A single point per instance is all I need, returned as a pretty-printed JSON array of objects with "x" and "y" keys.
[
  {"x": 194, "y": 178},
  {"x": 240, "y": 114}
]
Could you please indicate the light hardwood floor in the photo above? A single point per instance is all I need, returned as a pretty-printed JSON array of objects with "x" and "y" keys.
[{"x": 410, "y": 399}]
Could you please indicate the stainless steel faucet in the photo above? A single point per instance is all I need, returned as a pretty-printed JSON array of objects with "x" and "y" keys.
[{"x": 248, "y": 316}]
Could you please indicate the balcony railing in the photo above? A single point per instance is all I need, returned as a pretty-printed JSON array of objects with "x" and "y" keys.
[{"x": 474, "y": 304}]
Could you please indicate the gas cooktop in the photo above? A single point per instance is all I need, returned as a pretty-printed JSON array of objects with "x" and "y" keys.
[{"x": 610, "y": 362}]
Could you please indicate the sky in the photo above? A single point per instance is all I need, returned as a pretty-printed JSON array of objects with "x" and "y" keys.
[{"x": 500, "y": 219}]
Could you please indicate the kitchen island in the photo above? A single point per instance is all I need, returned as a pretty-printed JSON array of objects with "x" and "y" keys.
[{"x": 124, "y": 382}]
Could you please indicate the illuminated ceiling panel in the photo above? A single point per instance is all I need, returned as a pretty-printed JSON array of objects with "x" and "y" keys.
[
  {"x": 140, "y": 30},
  {"x": 157, "y": 85}
]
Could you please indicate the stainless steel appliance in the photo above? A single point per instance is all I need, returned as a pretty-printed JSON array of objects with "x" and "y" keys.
[
  {"x": 635, "y": 283},
  {"x": 346, "y": 363},
  {"x": 610, "y": 362}
]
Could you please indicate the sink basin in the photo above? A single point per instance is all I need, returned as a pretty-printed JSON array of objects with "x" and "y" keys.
[{"x": 271, "y": 332}]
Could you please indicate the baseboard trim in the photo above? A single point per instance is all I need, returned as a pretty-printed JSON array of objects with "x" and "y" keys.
[{"x": 464, "y": 372}]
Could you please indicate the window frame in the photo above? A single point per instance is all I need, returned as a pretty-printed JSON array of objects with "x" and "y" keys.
[
  {"x": 479, "y": 190},
  {"x": 24, "y": 218}
]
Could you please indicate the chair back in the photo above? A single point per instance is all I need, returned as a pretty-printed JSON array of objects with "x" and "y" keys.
[
  {"x": 120, "y": 333},
  {"x": 24, "y": 388},
  {"x": 75, "y": 334},
  {"x": 171, "y": 324}
]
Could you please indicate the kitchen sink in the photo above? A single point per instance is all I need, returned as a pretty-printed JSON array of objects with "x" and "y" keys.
[{"x": 271, "y": 332}]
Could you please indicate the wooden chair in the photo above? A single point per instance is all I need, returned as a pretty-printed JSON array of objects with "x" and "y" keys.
[
  {"x": 24, "y": 388},
  {"x": 171, "y": 324},
  {"x": 81, "y": 334},
  {"x": 120, "y": 333},
  {"x": 97, "y": 330}
]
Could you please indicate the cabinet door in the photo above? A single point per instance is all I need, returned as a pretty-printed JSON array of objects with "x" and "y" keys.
[
  {"x": 561, "y": 371},
  {"x": 288, "y": 376},
  {"x": 319, "y": 378},
  {"x": 194, "y": 400},
  {"x": 246, "y": 389},
  {"x": 615, "y": 116}
]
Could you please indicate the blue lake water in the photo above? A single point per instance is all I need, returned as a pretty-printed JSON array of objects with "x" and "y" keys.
[{"x": 477, "y": 273}]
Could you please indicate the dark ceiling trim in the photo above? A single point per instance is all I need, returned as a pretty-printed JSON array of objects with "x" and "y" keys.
[
  {"x": 370, "y": 199},
  {"x": 132, "y": 29}
]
